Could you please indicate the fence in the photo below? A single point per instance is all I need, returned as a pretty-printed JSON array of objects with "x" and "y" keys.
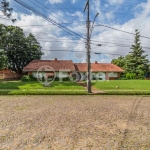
[
  {"x": 9, "y": 75},
  {"x": 1, "y": 75}
]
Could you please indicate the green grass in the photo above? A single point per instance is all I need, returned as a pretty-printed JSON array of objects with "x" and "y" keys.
[
  {"x": 36, "y": 85},
  {"x": 43, "y": 92},
  {"x": 36, "y": 88},
  {"x": 122, "y": 85},
  {"x": 114, "y": 87}
]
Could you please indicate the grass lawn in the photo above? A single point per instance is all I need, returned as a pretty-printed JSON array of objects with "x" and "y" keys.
[
  {"x": 18, "y": 87},
  {"x": 114, "y": 87},
  {"x": 122, "y": 85}
]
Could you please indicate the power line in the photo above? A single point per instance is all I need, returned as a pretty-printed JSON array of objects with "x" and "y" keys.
[
  {"x": 122, "y": 31},
  {"x": 83, "y": 42},
  {"x": 48, "y": 9},
  {"x": 20, "y": 8},
  {"x": 73, "y": 51},
  {"x": 50, "y": 20}
]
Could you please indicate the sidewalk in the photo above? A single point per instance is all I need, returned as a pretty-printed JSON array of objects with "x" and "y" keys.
[{"x": 94, "y": 90}]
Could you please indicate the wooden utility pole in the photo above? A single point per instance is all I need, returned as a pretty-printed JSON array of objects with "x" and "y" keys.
[{"x": 88, "y": 47}]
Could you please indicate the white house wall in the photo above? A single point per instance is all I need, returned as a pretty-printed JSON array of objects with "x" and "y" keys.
[
  {"x": 62, "y": 74},
  {"x": 41, "y": 74},
  {"x": 113, "y": 74},
  {"x": 58, "y": 74},
  {"x": 96, "y": 75}
]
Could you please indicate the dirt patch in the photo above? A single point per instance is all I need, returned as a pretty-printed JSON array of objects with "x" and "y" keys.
[{"x": 74, "y": 122}]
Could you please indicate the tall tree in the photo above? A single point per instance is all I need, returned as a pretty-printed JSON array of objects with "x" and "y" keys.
[
  {"x": 19, "y": 49},
  {"x": 137, "y": 62},
  {"x": 120, "y": 61}
]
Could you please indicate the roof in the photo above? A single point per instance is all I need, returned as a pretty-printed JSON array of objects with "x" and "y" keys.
[
  {"x": 98, "y": 67},
  {"x": 57, "y": 65},
  {"x": 68, "y": 65}
]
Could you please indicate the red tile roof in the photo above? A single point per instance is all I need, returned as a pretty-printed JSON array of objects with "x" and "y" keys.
[
  {"x": 68, "y": 65},
  {"x": 98, "y": 67},
  {"x": 57, "y": 65}
]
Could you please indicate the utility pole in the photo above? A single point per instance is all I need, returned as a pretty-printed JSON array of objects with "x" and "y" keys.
[{"x": 88, "y": 47}]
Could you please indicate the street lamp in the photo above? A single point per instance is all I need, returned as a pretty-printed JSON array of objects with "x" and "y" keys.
[{"x": 93, "y": 24}]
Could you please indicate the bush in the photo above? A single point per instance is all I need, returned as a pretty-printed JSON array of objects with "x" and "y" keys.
[
  {"x": 56, "y": 79},
  {"x": 66, "y": 79},
  {"x": 62, "y": 79},
  {"x": 26, "y": 78},
  {"x": 32, "y": 78},
  {"x": 130, "y": 76},
  {"x": 141, "y": 75}
]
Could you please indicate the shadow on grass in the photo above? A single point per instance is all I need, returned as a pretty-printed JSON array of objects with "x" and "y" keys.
[{"x": 34, "y": 85}]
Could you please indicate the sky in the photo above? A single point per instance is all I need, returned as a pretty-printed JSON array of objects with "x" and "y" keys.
[{"x": 62, "y": 30}]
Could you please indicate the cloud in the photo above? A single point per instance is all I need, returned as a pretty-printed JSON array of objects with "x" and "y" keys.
[
  {"x": 115, "y": 1},
  {"x": 53, "y": 38},
  {"x": 73, "y": 1},
  {"x": 56, "y": 1}
]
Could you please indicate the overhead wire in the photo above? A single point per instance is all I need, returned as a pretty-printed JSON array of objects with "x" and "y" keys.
[
  {"x": 122, "y": 31},
  {"x": 48, "y": 9},
  {"x": 67, "y": 50},
  {"x": 50, "y": 20},
  {"x": 22, "y": 9},
  {"x": 117, "y": 43}
]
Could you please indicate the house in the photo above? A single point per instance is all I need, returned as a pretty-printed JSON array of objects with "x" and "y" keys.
[
  {"x": 62, "y": 68},
  {"x": 65, "y": 68},
  {"x": 104, "y": 71}
]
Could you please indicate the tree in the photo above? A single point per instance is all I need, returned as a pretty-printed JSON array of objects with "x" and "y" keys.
[
  {"x": 7, "y": 11},
  {"x": 137, "y": 62},
  {"x": 19, "y": 49},
  {"x": 120, "y": 61},
  {"x": 2, "y": 60}
]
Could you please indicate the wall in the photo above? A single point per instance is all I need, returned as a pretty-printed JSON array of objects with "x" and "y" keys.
[
  {"x": 12, "y": 76},
  {"x": 97, "y": 75},
  {"x": 102, "y": 75},
  {"x": 58, "y": 74},
  {"x": 113, "y": 74},
  {"x": 1, "y": 75},
  {"x": 7, "y": 74}
]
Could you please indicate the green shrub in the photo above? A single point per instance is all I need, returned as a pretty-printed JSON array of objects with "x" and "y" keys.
[
  {"x": 32, "y": 78},
  {"x": 66, "y": 79},
  {"x": 130, "y": 76},
  {"x": 133, "y": 76},
  {"x": 56, "y": 79},
  {"x": 25, "y": 78},
  {"x": 62, "y": 79},
  {"x": 141, "y": 75}
]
